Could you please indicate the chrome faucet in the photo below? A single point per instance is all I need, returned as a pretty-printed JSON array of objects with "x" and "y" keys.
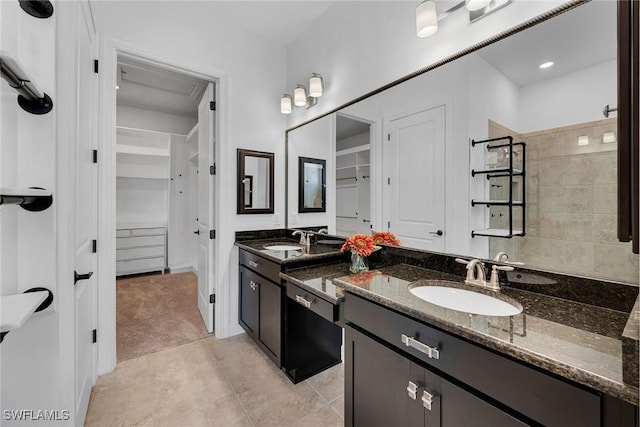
[
  {"x": 304, "y": 238},
  {"x": 494, "y": 282},
  {"x": 475, "y": 272}
]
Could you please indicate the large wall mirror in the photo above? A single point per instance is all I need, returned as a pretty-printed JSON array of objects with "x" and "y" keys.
[
  {"x": 312, "y": 179},
  {"x": 255, "y": 182},
  {"x": 405, "y": 158}
]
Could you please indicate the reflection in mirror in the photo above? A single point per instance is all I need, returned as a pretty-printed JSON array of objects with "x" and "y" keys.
[
  {"x": 311, "y": 185},
  {"x": 420, "y": 141},
  {"x": 255, "y": 182}
]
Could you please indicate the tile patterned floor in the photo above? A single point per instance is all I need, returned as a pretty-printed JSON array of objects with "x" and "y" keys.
[{"x": 211, "y": 382}]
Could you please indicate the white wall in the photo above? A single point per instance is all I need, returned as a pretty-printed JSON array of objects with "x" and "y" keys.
[
  {"x": 179, "y": 33},
  {"x": 541, "y": 108},
  {"x": 356, "y": 49}
]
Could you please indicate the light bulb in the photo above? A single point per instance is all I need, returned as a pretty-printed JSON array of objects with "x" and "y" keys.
[
  {"x": 426, "y": 19},
  {"x": 315, "y": 85},
  {"x": 300, "y": 96},
  {"x": 285, "y": 104}
]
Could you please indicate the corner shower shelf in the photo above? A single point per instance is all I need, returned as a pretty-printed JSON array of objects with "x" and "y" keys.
[
  {"x": 16, "y": 309},
  {"x": 31, "y": 199},
  {"x": 503, "y": 172}
]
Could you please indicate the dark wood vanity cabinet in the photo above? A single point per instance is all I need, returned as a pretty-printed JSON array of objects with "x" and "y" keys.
[
  {"x": 385, "y": 388},
  {"x": 261, "y": 304},
  {"x": 465, "y": 383}
]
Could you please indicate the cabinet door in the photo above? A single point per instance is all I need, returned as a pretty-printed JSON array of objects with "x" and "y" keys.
[
  {"x": 377, "y": 379},
  {"x": 461, "y": 408},
  {"x": 270, "y": 317},
  {"x": 249, "y": 298}
]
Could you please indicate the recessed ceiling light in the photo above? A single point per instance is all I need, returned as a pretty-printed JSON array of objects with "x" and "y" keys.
[{"x": 546, "y": 64}]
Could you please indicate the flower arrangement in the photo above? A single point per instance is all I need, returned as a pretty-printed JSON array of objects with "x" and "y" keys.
[
  {"x": 385, "y": 238},
  {"x": 361, "y": 244}
]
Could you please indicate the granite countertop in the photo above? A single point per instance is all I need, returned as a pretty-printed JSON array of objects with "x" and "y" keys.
[
  {"x": 314, "y": 252},
  {"x": 576, "y": 341}
]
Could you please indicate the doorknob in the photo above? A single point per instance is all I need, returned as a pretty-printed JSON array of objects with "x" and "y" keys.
[
  {"x": 196, "y": 232},
  {"x": 439, "y": 232},
  {"x": 77, "y": 277}
]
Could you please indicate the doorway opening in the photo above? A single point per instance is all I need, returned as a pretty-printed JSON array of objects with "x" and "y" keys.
[
  {"x": 353, "y": 176},
  {"x": 164, "y": 198}
]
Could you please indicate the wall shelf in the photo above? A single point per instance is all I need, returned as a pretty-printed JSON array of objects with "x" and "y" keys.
[
  {"x": 31, "y": 199},
  {"x": 503, "y": 172}
]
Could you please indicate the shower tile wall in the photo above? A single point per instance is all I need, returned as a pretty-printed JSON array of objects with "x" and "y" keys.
[{"x": 571, "y": 204}]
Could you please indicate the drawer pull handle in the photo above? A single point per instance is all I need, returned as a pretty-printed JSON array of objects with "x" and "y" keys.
[
  {"x": 305, "y": 302},
  {"x": 412, "y": 390},
  {"x": 254, "y": 264},
  {"x": 432, "y": 352},
  {"x": 253, "y": 285},
  {"x": 427, "y": 400}
]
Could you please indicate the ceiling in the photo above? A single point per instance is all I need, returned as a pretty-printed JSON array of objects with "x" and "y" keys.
[
  {"x": 146, "y": 86},
  {"x": 557, "y": 40},
  {"x": 346, "y": 127}
]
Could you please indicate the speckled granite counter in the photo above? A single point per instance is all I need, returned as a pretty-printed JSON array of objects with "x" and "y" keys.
[
  {"x": 318, "y": 280},
  {"x": 314, "y": 253},
  {"x": 576, "y": 341}
]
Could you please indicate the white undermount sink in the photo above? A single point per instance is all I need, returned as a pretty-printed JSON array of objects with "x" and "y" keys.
[
  {"x": 283, "y": 247},
  {"x": 464, "y": 300}
]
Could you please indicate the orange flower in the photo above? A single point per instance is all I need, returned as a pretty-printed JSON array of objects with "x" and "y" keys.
[
  {"x": 385, "y": 238},
  {"x": 360, "y": 243}
]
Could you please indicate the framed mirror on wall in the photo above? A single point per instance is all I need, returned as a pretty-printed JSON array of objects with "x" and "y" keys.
[
  {"x": 536, "y": 84},
  {"x": 255, "y": 182},
  {"x": 312, "y": 182}
]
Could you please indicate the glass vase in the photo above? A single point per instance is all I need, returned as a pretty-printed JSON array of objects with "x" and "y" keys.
[{"x": 359, "y": 263}]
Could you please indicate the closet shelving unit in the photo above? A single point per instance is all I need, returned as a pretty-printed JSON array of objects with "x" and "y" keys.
[
  {"x": 352, "y": 189},
  {"x": 509, "y": 172},
  {"x": 142, "y": 154}
]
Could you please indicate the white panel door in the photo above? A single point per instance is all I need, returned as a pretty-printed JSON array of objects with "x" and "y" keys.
[
  {"x": 206, "y": 219},
  {"x": 85, "y": 316},
  {"x": 415, "y": 167}
]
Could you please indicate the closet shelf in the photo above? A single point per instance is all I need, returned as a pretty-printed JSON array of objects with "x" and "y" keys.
[
  {"x": 16, "y": 309},
  {"x": 138, "y": 150},
  {"x": 31, "y": 199}
]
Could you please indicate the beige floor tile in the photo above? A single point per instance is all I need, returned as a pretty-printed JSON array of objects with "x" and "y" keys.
[
  {"x": 330, "y": 383},
  {"x": 338, "y": 405},
  {"x": 322, "y": 417}
]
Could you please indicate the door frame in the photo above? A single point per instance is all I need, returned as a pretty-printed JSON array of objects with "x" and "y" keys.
[{"x": 110, "y": 49}]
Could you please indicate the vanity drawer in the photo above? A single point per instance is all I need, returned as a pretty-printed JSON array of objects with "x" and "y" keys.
[
  {"x": 155, "y": 231},
  {"x": 136, "y": 253},
  {"x": 133, "y": 242},
  {"x": 140, "y": 265},
  {"x": 266, "y": 268},
  {"x": 314, "y": 303},
  {"x": 539, "y": 396}
]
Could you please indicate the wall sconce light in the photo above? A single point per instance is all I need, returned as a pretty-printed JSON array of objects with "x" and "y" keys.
[
  {"x": 426, "y": 19},
  {"x": 608, "y": 137},
  {"x": 300, "y": 97}
]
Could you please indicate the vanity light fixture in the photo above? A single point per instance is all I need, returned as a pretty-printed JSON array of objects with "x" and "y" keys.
[
  {"x": 426, "y": 19},
  {"x": 583, "y": 140},
  {"x": 608, "y": 137},
  {"x": 546, "y": 64},
  {"x": 286, "y": 104},
  {"x": 473, "y": 5},
  {"x": 300, "y": 96}
]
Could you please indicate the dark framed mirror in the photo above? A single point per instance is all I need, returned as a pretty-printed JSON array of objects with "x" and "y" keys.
[
  {"x": 312, "y": 182},
  {"x": 255, "y": 182}
]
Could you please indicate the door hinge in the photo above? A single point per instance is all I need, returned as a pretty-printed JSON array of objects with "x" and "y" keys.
[
  {"x": 212, "y": 169},
  {"x": 212, "y": 234},
  {"x": 94, "y": 154},
  {"x": 212, "y": 298},
  {"x": 94, "y": 336},
  {"x": 388, "y": 137},
  {"x": 212, "y": 105},
  {"x": 389, "y": 181},
  {"x": 95, "y": 66},
  {"x": 388, "y": 224},
  {"x": 94, "y": 246}
]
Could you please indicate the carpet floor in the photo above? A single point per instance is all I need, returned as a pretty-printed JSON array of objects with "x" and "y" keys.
[{"x": 155, "y": 312}]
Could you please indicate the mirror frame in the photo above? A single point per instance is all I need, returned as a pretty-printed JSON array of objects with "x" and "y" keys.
[
  {"x": 301, "y": 162},
  {"x": 242, "y": 207}
]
